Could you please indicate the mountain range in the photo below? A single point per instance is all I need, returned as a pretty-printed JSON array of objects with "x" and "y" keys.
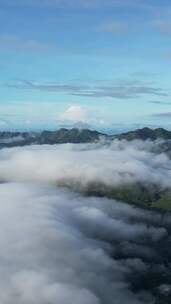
[{"x": 63, "y": 135}]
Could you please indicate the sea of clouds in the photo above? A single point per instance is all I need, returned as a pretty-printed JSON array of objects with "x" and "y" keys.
[
  {"x": 59, "y": 247},
  {"x": 117, "y": 163}
]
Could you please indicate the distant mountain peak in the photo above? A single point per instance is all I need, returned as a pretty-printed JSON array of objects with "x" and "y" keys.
[
  {"x": 146, "y": 133},
  {"x": 76, "y": 135},
  {"x": 61, "y": 136}
]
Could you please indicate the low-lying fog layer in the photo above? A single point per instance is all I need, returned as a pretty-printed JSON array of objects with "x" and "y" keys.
[
  {"x": 117, "y": 163},
  {"x": 59, "y": 247}
]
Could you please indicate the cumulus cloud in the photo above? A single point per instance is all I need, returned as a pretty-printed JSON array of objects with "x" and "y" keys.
[{"x": 75, "y": 113}]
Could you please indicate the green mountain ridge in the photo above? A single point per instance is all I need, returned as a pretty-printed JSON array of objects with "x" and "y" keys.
[
  {"x": 146, "y": 133},
  {"x": 61, "y": 136},
  {"x": 75, "y": 135}
]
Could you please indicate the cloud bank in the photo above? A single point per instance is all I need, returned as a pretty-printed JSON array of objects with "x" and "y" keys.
[
  {"x": 111, "y": 164},
  {"x": 58, "y": 246}
]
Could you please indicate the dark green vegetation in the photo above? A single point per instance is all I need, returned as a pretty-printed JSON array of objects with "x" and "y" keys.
[
  {"x": 13, "y": 139},
  {"x": 62, "y": 136},
  {"x": 145, "y": 196},
  {"x": 133, "y": 194},
  {"x": 69, "y": 136},
  {"x": 146, "y": 133}
]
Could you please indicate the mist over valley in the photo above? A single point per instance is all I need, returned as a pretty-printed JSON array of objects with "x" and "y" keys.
[{"x": 88, "y": 221}]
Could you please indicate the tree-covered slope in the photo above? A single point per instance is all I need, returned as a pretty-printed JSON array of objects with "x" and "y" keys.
[{"x": 146, "y": 133}]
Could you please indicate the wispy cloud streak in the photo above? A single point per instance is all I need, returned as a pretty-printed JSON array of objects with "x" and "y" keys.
[{"x": 119, "y": 89}]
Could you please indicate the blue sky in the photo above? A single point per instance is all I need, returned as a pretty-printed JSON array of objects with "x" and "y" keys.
[{"x": 102, "y": 63}]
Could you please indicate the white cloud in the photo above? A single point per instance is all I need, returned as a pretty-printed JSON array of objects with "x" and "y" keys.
[
  {"x": 120, "y": 89},
  {"x": 56, "y": 247},
  {"x": 118, "y": 163},
  {"x": 60, "y": 247},
  {"x": 75, "y": 113}
]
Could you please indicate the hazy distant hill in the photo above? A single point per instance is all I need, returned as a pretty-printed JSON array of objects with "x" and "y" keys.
[
  {"x": 11, "y": 139},
  {"x": 146, "y": 133},
  {"x": 75, "y": 135}
]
